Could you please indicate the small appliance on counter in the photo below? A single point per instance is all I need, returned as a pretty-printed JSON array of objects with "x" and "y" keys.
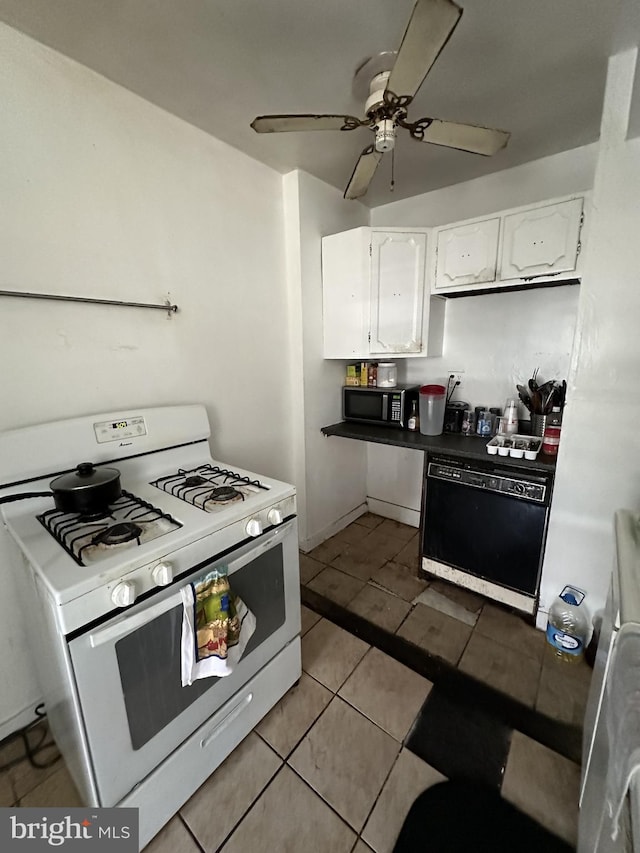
[
  {"x": 453, "y": 415},
  {"x": 386, "y": 407}
]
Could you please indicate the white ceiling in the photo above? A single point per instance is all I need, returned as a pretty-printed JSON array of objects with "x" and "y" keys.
[{"x": 534, "y": 68}]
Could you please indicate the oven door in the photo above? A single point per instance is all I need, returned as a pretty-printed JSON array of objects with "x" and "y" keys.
[{"x": 127, "y": 670}]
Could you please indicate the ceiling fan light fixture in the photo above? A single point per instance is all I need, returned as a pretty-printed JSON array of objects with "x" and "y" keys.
[{"x": 385, "y": 135}]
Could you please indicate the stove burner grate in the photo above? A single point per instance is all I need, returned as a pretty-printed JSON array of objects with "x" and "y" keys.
[
  {"x": 209, "y": 487},
  {"x": 128, "y": 522}
]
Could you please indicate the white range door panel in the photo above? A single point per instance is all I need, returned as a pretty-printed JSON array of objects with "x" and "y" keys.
[
  {"x": 467, "y": 254},
  {"x": 541, "y": 241},
  {"x": 397, "y": 291}
]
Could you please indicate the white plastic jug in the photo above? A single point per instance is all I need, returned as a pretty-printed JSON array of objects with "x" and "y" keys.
[{"x": 432, "y": 406}]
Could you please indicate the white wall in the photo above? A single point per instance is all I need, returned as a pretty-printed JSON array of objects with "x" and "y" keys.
[
  {"x": 104, "y": 194},
  {"x": 599, "y": 459},
  {"x": 558, "y": 175},
  {"x": 331, "y": 472}
]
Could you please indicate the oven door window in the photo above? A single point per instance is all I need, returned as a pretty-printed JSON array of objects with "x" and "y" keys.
[{"x": 149, "y": 658}]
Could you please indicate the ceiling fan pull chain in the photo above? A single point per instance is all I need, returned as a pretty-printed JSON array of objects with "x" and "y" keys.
[{"x": 393, "y": 164}]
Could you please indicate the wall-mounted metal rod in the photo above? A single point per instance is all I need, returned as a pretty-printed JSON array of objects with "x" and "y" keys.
[{"x": 167, "y": 306}]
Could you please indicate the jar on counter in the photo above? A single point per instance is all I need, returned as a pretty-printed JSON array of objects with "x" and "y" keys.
[
  {"x": 387, "y": 374},
  {"x": 468, "y": 422},
  {"x": 484, "y": 423},
  {"x": 551, "y": 439}
]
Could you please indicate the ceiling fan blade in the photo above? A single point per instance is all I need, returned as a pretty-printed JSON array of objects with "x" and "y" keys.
[
  {"x": 430, "y": 25},
  {"x": 280, "y": 124},
  {"x": 363, "y": 173},
  {"x": 464, "y": 137}
]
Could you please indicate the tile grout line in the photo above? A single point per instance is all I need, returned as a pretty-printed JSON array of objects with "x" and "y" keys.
[
  {"x": 250, "y": 807},
  {"x": 328, "y": 804},
  {"x": 558, "y": 736}
]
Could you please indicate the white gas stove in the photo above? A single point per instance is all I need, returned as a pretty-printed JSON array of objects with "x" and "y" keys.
[{"x": 107, "y": 586}]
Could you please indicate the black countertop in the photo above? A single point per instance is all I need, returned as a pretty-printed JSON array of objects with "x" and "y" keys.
[{"x": 469, "y": 447}]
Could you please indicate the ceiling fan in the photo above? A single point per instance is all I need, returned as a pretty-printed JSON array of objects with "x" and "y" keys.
[{"x": 391, "y": 91}]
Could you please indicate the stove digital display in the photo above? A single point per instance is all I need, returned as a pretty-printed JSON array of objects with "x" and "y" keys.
[{"x": 117, "y": 430}]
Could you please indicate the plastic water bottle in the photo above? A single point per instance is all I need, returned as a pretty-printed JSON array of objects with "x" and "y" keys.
[{"x": 568, "y": 625}]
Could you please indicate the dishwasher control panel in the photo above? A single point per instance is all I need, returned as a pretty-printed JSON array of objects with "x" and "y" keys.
[{"x": 489, "y": 481}]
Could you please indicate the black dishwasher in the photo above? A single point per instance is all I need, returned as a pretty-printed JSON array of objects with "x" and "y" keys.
[{"x": 484, "y": 526}]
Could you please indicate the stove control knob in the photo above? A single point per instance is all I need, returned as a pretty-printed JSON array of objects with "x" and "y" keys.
[
  {"x": 123, "y": 594},
  {"x": 254, "y": 527},
  {"x": 162, "y": 574},
  {"x": 274, "y": 516}
]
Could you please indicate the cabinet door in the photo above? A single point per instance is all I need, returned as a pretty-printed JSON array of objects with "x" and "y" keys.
[
  {"x": 541, "y": 241},
  {"x": 467, "y": 254},
  {"x": 345, "y": 294},
  {"x": 397, "y": 292}
]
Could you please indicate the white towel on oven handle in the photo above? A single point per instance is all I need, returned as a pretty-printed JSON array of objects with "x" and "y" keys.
[{"x": 191, "y": 667}]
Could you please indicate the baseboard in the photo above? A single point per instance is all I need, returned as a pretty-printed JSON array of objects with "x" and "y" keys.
[
  {"x": 395, "y": 512},
  {"x": 19, "y": 720},
  {"x": 333, "y": 528}
]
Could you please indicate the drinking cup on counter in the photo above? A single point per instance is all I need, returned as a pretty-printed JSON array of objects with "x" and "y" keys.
[
  {"x": 468, "y": 426},
  {"x": 484, "y": 423},
  {"x": 432, "y": 405}
]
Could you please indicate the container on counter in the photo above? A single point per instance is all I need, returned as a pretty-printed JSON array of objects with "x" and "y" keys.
[
  {"x": 432, "y": 406},
  {"x": 551, "y": 440},
  {"x": 538, "y": 424},
  {"x": 413, "y": 422},
  {"x": 468, "y": 425},
  {"x": 514, "y": 445},
  {"x": 511, "y": 415},
  {"x": 484, "y": 423},
  {"x": 568, "y": 625},
  {"x": 387, "y": 374}
]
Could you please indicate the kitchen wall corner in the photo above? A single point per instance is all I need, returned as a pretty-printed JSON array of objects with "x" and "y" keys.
[{"x": 330, "y": 473}]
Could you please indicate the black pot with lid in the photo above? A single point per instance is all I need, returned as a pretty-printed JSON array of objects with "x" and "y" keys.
[{"x": 87, "y": 490}]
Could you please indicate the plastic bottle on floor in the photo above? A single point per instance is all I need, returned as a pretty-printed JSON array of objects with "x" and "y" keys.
[{"x": 568, "y": 625}]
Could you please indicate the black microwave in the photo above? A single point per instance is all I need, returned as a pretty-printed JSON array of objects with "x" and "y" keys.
[{"x": 384, "y": 406}]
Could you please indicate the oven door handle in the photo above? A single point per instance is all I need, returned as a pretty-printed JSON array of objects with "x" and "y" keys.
[{"x": 130, "y": 621}]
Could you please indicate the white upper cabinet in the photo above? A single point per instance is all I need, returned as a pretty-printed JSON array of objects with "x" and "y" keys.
[
  {"x": 398, "y": 266},
  {"x": 525, "y": 245},
  {"x": 467, "y": 254},
  {"x": 541, "y": 241},
  {"x": 376, "y": 300}
]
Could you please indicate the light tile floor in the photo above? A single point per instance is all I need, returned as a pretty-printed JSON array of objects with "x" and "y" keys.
[{"x": 327, "y": 769}]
